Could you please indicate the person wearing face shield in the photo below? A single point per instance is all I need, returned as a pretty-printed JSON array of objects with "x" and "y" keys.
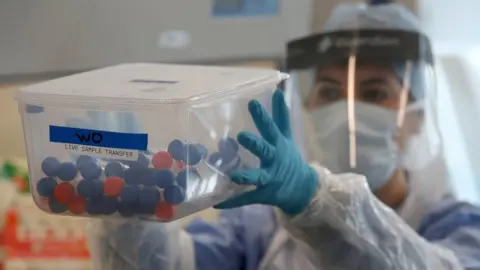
[{"x": 373, "y": 196}]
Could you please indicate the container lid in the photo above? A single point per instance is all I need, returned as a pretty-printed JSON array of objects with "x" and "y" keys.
[{"x": 145, "y": 83}]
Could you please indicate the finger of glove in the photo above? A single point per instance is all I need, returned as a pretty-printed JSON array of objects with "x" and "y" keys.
[
  {"x": 280, "y": 113},
  {"x": 255, "y": 177},
  {"x": 257, "y": 146},
  {"x": 248, "y": 198},
  {"x": 263, "y": 122}
]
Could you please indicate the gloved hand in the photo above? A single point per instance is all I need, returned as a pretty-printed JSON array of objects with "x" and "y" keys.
[{"x": 284, "y": 179}]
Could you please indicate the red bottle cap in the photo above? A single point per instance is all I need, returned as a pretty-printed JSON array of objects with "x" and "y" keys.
[
  {"x": 162, "y": 160},
  {"x": 112, "y": 186},
  {"x": 77, "y": 205},
  {"x": 63, "y": 193},
  {"x": 164, "y": 211}
]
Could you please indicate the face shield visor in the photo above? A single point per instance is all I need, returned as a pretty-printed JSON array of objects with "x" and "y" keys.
[{"x": 369, "y": 95}]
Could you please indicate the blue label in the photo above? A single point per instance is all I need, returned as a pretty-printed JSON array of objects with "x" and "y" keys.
[
  {"x": 99, "y": 138},
  {"x": 235, "y": 8}
]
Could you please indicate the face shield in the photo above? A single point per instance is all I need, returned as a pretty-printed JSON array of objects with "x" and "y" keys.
[{"x": 370, "y": 97}]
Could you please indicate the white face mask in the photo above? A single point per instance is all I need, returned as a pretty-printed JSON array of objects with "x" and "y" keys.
[{"x": 376, "y": 154}]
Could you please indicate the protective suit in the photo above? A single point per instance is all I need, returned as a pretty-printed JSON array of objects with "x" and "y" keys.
[{"x": 367, "y": 199}]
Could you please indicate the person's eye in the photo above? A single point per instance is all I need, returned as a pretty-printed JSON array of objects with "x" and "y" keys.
[
  {"x": 323, "y": 95},
  {"x": 374, "y": 95},
  {"x": 328, "y": 94}
]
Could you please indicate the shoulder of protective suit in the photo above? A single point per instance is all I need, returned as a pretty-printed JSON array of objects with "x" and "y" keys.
[{"x": 353, "y": 16}]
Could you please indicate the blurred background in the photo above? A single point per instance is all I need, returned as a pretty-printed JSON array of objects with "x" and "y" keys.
[{"x": 45, "y": 39}]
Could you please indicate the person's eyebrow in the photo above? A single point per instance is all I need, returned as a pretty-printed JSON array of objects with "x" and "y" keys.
[
  {"x": 374, "y": 81},
  {"x": 327, "y": 79}
]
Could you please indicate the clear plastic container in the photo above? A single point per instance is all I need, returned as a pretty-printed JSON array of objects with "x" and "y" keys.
[{"x": 148, "y": 141}]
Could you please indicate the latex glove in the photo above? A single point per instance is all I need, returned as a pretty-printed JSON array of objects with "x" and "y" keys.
[{"x": 284, "y": 179}]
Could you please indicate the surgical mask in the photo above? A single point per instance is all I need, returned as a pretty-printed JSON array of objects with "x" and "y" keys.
[{"x": 375, "y": 153}]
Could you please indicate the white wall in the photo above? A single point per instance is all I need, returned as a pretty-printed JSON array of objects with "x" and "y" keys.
[
  {"x": 451, "y": 22},
  {"x": 453, "y": 28}
]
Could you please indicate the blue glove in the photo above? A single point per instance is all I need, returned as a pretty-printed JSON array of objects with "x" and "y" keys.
[{"x": 284, "y": 179}]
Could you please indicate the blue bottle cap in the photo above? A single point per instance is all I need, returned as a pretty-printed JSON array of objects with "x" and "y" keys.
[
  {"x": 174, "y": 194},
  {"x": 141, "y": 162},
  {"x": 130, "y": 175},
  {"x": 126, "y": 209},
  {"x": 46, "y": 186},
  {"x": 176, "y": 149},
  {"x": 223, "y": 164},
  {"x": 50, "y": 166},
  {"x": 191, "y": 156},
  {"x": 67, "y": 171},
  {"x": 56, "y": 207},
  {"x": 114, "y": 168},
  {"x": 90, "y": 188},
  {"x": 149, "y": 195},
  {"x": 228, "y": 168},
  {"x": 138, "y": 176},
  {"x": 202, "y": 150},
  {"x": 228, "y": 148},
  {"x": 145, "y": 208},
  {"x": 129, "y": 194},
  {"x": 109, "y": 205},
  {"x": 82, "y": 159},
  {"x": 147, "y": 177},
  {"x": 90, "y": 170},
  {"x": 94, "y": 206},
  {"x": 237, "y": 164},
  {"x": 163, "y": 178},
  {"x": 186, "y": 175},
  {"x": 147, "y": 200},
  {"x": 215, "y": 160}
]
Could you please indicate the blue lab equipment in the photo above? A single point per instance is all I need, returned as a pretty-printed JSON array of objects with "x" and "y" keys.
[
  {"x": 90, "y": 188},
  {"x": 138, "y": 176},
  {"x": 90, "y": 169},
  {"x": 147, "y": 200},
  {"x": 191, "y": 155},
  {"x": 202, "y": 150},
  {"x": 185, "y": 175},
  {"x": 163, "y": 178},
  {"x": 228, "y": 149},
  {"x": 114, "y": 168},
  {"x": 46, "y": 186},
  {"x": 129, "y": 194},
  {"x": 83, "y": 159},
  {"x": 56, "y": 207},
  {"x": 67, "y": 171},
  {"x": 50, "y": 166},
  {"x": 174, "y": 194},
  {"x": 176, "y": 149},
  {"x": 126, "y": 209},
  {"x": 109, "y": 205}
]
